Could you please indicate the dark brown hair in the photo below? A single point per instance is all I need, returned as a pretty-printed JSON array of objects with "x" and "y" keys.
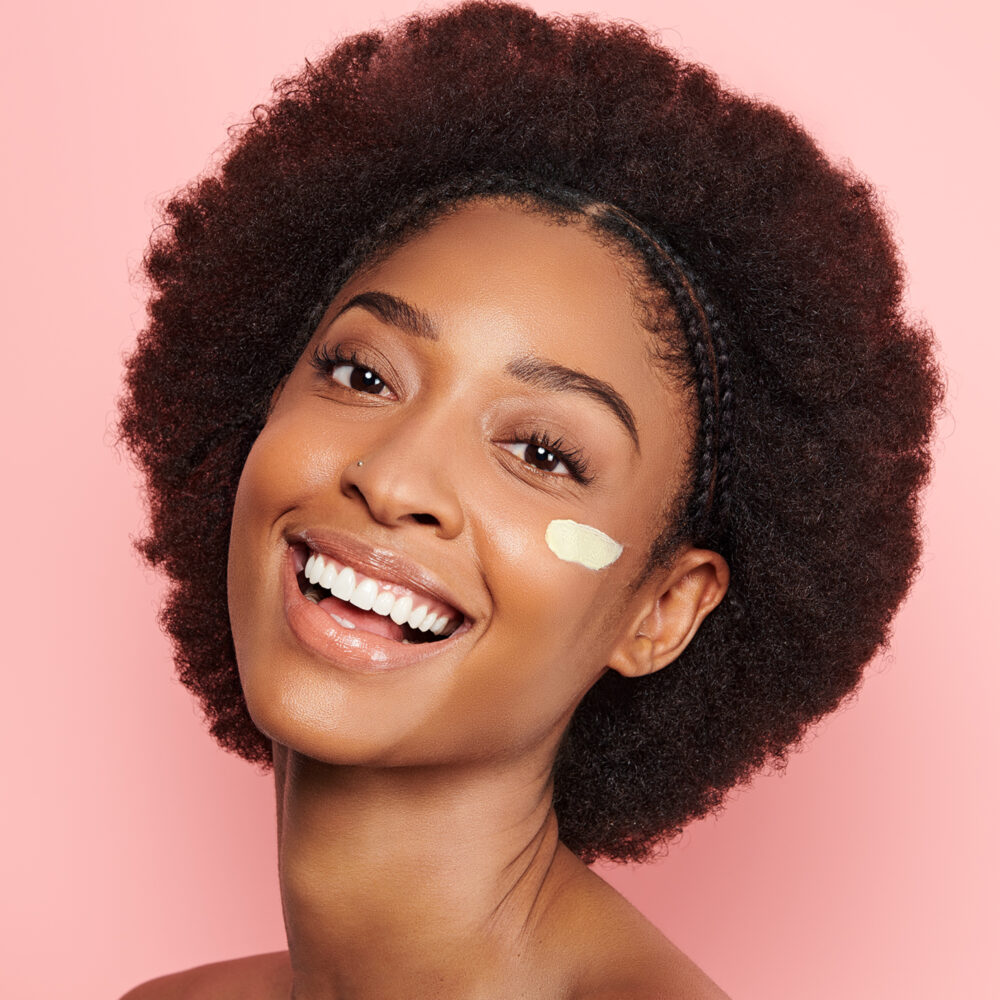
[{"x": 833, "y": 390}]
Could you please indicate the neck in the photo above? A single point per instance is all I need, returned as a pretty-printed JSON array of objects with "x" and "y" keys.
[{"x": 413, "y": 881}]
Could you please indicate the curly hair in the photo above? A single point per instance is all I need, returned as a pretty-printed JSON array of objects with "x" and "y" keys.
[{"x": 833, "y": 390}]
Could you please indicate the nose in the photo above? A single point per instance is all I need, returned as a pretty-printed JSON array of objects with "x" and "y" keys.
[{"x": 404, "y": 478}]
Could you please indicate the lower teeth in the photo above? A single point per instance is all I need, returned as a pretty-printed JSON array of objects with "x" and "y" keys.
[{"x": 315, "y": 597}]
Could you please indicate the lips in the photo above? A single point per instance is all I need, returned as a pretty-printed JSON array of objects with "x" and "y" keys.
[{"x": 366, "y": 608}]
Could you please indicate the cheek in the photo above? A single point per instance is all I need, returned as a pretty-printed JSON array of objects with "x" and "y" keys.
[
  {"x": 582, "y": 544},
  {"x": 287, "y": 463},
  {"x": 244, "y": 569},
  {"x": 283, "y": 466},
  {"x": 552, "y": 607}
]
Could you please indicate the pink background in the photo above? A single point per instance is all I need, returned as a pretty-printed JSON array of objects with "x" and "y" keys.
[{"x": 131, "y": 846}]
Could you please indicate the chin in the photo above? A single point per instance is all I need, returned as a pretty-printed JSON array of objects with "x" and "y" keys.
[{"x": 343, "y": 718}]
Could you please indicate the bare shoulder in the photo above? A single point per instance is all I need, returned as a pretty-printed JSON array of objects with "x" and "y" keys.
[
  {"x": 256, "y": 977},
  {"x": 670, "y": 975},
  {"x": 651, "y": 969},
  {"x": 622, "y": 955}
]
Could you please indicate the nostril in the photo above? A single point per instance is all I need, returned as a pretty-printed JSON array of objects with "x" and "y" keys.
[
  {"x": 351, "y": 490},
  {"x": 395, "y": 493}
]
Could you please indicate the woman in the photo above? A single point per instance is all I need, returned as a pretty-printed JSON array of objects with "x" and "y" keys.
[{"x": 534, "y": 441}]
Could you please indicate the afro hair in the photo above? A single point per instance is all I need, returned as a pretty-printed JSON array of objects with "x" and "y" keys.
[{"x": 834, "y": 390}]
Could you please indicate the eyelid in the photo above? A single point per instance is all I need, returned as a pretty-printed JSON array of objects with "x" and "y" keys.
[
  {"x": 573, "y": 459},
  {"x": 326, "y": 362}
]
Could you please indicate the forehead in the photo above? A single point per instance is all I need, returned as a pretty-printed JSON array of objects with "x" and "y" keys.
[{"x": 521, "y": 281}]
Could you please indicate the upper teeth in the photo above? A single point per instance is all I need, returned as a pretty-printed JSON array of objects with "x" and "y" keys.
[{"x": 366, "y": 593}]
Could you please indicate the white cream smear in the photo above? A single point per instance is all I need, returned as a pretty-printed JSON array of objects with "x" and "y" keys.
[{"x": 580, "y": 543}]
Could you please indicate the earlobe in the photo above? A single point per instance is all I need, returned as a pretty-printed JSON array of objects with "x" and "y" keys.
[{"x": 668, "y": 611}]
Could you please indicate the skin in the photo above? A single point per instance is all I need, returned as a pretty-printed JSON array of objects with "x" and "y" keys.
[{"x": 418, "y": 849}]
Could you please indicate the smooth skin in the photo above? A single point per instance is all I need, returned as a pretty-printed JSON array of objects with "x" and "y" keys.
[{"x": 419, "y": 853}]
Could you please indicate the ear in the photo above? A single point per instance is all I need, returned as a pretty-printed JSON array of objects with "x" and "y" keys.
[
  {"x": 667, "y": 611},
  {"x": 276, "y": 395}
]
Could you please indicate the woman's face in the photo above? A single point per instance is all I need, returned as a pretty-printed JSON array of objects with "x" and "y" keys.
[{"x": 485, "y": 379}]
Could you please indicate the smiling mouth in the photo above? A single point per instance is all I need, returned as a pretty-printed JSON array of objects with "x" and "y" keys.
[{"x": 357, "y": 601}]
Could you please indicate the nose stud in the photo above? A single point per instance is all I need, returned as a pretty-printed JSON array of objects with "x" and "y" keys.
[{"x": 360, "y": 462}]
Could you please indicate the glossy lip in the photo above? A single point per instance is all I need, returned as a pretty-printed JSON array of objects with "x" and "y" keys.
[{"x": 353, "y": 649}]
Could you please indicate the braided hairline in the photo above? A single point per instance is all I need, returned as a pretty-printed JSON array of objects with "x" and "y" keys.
[
  {"x": 707, "y": 509},
  {"x": 706, "y": 339}
]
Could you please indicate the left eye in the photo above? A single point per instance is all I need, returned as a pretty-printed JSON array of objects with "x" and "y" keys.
[
  {"x": 359, "y": 378},
  {"x": 539, "y": 456}
]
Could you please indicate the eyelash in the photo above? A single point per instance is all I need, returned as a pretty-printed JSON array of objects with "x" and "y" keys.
[
  {"x": 573, "y": 458},
  {"x": 325, "y": 361}
]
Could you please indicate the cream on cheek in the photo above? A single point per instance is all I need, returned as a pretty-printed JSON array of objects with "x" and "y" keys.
[{"x": 580, "y": 543}]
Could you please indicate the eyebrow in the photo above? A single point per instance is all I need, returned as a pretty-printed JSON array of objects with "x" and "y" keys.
[
  {"x": 549, "y": 375},
  {"x": 529, "y": 370},
  {"x": 395, "y": 311}
]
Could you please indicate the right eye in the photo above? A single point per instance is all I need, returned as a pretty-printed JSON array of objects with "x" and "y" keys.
[
  {"x": 359, "y": 378},
  {"x": 349, "y": 371}
]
